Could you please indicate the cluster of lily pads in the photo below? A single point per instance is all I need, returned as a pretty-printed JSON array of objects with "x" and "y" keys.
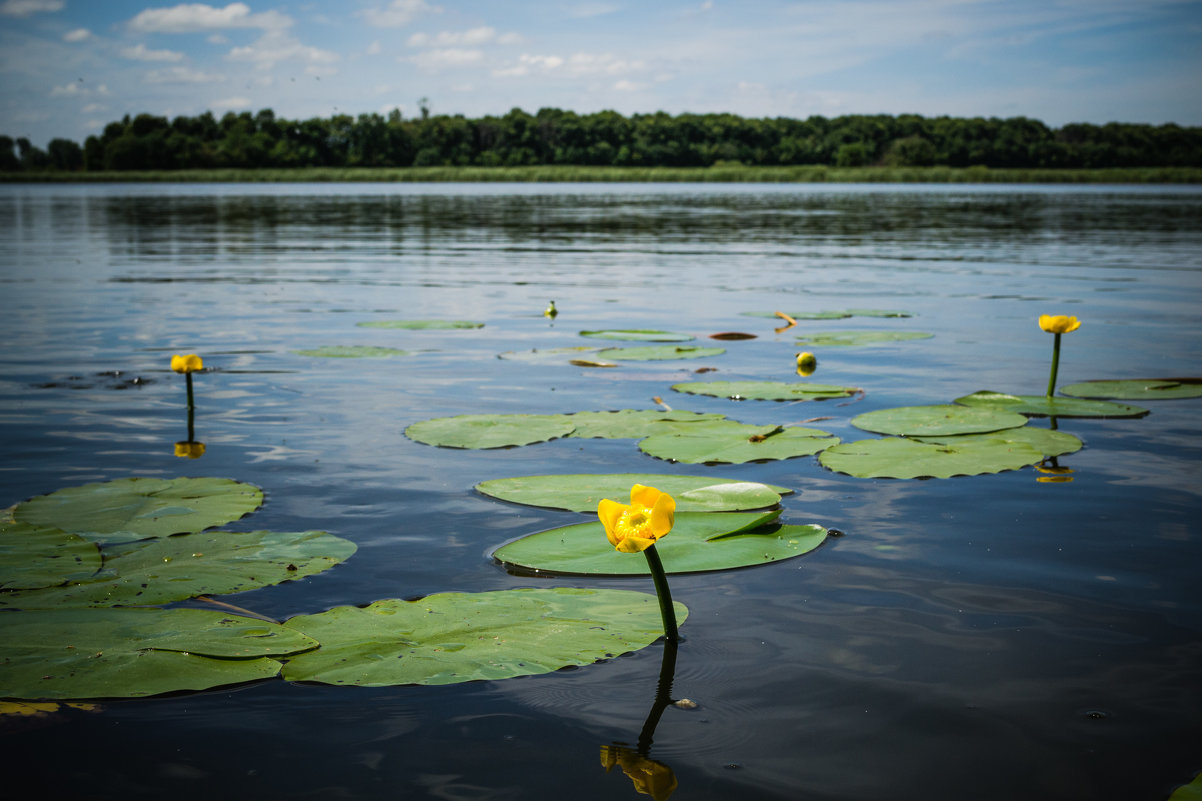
[{"x": 92, "y": 578}]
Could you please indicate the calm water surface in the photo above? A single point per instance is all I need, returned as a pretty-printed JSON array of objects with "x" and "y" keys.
[{"x": 990, "y": 637}]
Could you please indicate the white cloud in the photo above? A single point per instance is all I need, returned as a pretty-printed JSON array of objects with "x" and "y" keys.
[
  {"x": 601, "y": 64},
  {"x": 397, "y": 13},
  {"x": 232, "y": 103},
  {"x": 92, "y": 108},
  {"x": 25, "y": 8},
  {"x": 142, "y": 53},
  {"x": 274, "y": 47},
  {"x": 451, "y": 57},
  {"x": 527, "y": 63},
  {"x": 475, "y": 36},
  {"x": 196, "y": 17},
  {"x": 374, "y": 48},
  {"x": 78, "y": 89},
  {"x": 628, "y": 86},
  {"x": 77, "y": 35},
  {"x": 181, "y": 75}
]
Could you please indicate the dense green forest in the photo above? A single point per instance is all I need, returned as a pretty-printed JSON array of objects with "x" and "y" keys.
[{"x": 603, "y": 139}]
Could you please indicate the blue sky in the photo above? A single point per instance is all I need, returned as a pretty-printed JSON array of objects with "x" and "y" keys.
[{"x": 68, "y": 67}]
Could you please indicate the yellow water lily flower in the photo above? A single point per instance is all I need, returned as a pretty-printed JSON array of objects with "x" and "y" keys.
[
  {"x": 807, "y": 363},
  {"x": 550, "y": 311},
  {"x": 186, "y": 364},
  {"x": 1058, "y": 323},
  {"x": 648, "y": 776},
  {"x": 635, "y": 527}
]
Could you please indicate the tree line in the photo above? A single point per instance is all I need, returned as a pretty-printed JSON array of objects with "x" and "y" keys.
[{"x": 605, "y": 138}]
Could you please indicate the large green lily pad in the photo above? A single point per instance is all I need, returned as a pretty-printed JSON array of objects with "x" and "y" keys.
[
  {"x": 638, "y": 335},
  {"x": 896, "y": 457},
  {"x": 479, "y": 431},
  {"x": 633, "y": 423},
  {"x": 33, "y": 556},
  {"x": 847, "y": 339},
  {"x": 455, "y": 637},
  {"x": 1042, "y": 405},
  {"x": 127, "y": 653},
  {"x": 421, "y": 325},
  {"x": 728, "y": 442},
  {"x": 136, "y": 508},
  {"x": 698, "y": 542},
  {"x": 1140, "y": 389},
  {"x": 936, "y": 421},
  {"x": 582, "y": 492},
  {"x": 176, "y": 568},
  {"x": 353, "y": 352},
  {"x": 1047, "y": 442},
  {"x": 655, "y": 353},
  {"x": 765, "y": 390}
]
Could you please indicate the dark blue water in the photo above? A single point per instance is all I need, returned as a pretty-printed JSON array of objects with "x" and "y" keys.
[{"x": 991, "y": 637}]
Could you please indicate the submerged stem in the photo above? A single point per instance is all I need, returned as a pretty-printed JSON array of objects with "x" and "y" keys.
[
  {"x": 1055, "y": 366},
  {"x": 188, "y": 376},
  {"x": 663, "y": 593}
]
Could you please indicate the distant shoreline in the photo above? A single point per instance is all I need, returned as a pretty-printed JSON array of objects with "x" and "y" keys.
[{"x": 573, "y": 174}]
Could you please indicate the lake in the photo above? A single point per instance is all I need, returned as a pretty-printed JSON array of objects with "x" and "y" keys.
[{"x": 985, "y": 637}]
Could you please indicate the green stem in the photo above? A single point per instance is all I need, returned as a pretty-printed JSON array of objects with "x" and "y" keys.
[
  {"x": 188, "y": 376},
  {"x": 663, "y": 593},
  {"x": 1055, "y": 366}
]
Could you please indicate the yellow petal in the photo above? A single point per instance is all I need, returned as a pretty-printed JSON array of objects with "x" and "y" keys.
[
  {"x": 1059, "y": 323},
  {"x": 644, "y": 496},
  {"x": 663, "y": 515},
  {"x": 186, "y": 364},
  {"x": 633, "y": 544},
  {"x": 610, "y": 512}
]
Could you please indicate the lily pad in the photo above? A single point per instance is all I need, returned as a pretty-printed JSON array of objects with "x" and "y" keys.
[
  {"x": 455, "y": 637},
  {"x": 481, "y": 431},
  {"x": 765, "y": 390},
  {"x": 633, "y": 423},
  {"x": 127, "y": 653},
  {"x": 136, "y": 508},
  {"x": 32, "y": 557},
  {"x": 546, "y": 354},
  {"x": 582, "y": 492},
  {"x": 858, "y": 338},
  {"x": 935, "y": 421},
  {"x": 821, "y": 315},
  {"x": 655, "y": 353},
  {"x": 176, "y": 568},
  {"x": 728, "y": 442},
  {"x": 1141, "y": 389},
  {"x": 1041, "y": 405},
  {"x": 638, "y": 335},
  {"x": 877, "y": 313},
  {"x": 1047, "y": 442},
  {"x": 353, "y": 352},
  {"x": 698, "y": 542},
  {"x": 896, "y": 457},
  {"x": 421, "y": 325}
]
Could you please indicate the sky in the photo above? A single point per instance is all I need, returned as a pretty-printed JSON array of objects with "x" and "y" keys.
[{"x": 69, "y": 67}]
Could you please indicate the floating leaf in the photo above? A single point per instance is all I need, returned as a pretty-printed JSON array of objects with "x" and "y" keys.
[
  {"x": 33, "y": 556},
  {"x": 895, "y": 457},
  {"x": 1049, "y": 407},
  {"x": 1140, "y": 389},
  {"x": 936, "y": 421},
  {"x": 823, "y": 315},
  {"x": 632, "y": 423},
  {"x": 732, "y": 335},
  {"x": 765, "y": 390},
  {"x": 126, "y": 653},
  {"x": 582, "y": 492},
  {"x": 857, "y": 338},
  {"x": 176, "y": 568},
  {"x": 638, "y": 335},
  {"x": 353, "y": 352},
  {"x": 876, "y": 313},
  {"x": 455, "y": 637},
  {"x": 655, "y": 353},
  {"x": 1047, "y": 442},
  {"x": 481, "y": 431},
  {"x": 421, "y": 325},
  {"x": 728, "y": 442},
  {"x": 545, "y": 354},
  {"x": 136, "y": 508},
  {"x": 699, "y": 541},
  {"x": 590, "y": 363}
]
